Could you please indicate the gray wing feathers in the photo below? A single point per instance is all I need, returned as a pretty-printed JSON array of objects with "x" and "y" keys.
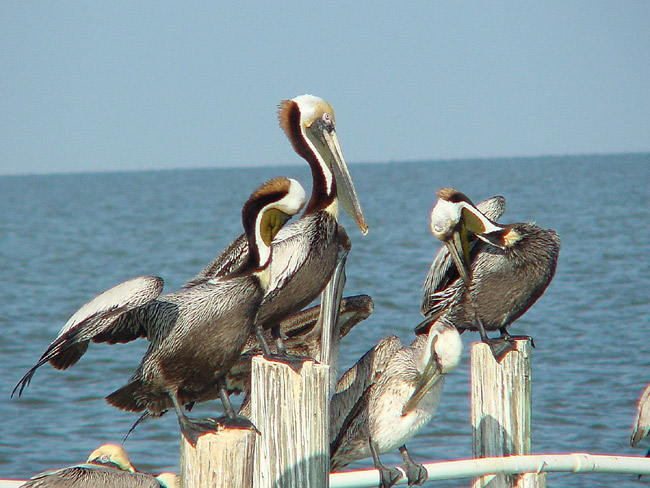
[
  {"x": 102, "y": 319},
  {"x": 349, "y": 395}
]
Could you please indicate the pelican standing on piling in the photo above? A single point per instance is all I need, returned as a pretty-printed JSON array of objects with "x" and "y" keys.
[
  {"x": 388, "y": 396},
  {"x": 307, "y": 252},
  {"x": 496, "y": 281},
  {"x": 196, "y": 334},
  {"x": 107, "y": 467}
]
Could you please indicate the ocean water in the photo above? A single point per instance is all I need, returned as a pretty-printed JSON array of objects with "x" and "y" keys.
[{"x": 65, "y": 238}]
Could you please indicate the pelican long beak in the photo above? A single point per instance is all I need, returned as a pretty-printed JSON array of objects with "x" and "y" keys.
[
  {"x": 479, "y": 225},
  {"x": 459, "y": 250},
  {"x": 430, "y": 377},
  {"x": 471, "y": 221},
  {"x": 344, "y": 186}
]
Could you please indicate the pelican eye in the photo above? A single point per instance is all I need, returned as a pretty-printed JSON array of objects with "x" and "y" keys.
[
  {"x": 327, "y": 121},
  {"x": 105, "y": 458}
]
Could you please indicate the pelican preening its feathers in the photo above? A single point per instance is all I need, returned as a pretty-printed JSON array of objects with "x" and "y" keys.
[
  {"x": 196, "y": 333},
  {"x": 497, "y": 278},
  {"x": 388, "y": 396}
]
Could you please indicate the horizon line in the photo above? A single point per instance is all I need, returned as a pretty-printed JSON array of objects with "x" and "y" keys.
[{"x": 300, "y": 163}]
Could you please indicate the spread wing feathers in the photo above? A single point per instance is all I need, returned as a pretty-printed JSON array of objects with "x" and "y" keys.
[
  {"x": 351, "y": 392},
  {"x": 102, "y": 319},
  {"x": 443, "y": 271},
  {"x": 642, "y": 422},
  {"x": 91, "y": 475},
  {"x": 229, "y": 261}
]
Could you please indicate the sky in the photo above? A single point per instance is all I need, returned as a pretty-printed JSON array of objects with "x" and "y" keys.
[{"x": 124, "y": 85}]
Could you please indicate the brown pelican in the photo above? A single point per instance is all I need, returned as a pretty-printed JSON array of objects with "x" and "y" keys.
[
  {"x": 306, "y": 252},
  {"x": 642, "y": 421},
  {"x": 501, "y": 276},
  {"x": 107, "y": 467},
  {"x": 196, "y": 334},
  {"x": 388, "y": 396}
]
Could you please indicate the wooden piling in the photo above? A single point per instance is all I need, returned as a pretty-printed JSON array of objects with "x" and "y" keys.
[
  {"x": 290, "y": 409},
  {"x": 501, "y": 411},
  {"x": 223, "y": 459}
]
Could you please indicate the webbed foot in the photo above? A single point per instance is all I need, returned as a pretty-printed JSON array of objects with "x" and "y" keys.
[
  {"x": 500, "y": 347},
  {"x": 192, "y": 429},
  {"x": 294, "y": 362},
  {"x": 388, "y": 476},
  {"x": 416, "y": 473}
]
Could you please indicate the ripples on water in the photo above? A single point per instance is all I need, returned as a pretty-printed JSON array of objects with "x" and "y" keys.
[{"x": 67, "y": 238}]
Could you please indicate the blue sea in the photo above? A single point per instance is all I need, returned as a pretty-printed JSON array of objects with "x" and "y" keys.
[{"x": 65, "y": 238}]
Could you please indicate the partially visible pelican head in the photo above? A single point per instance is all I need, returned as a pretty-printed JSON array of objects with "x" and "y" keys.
[
  {"x": 452, "y": 217},
  {"x": 440, "y": 356},
  {"x": 272, "y": 204},
  {"x": 111, "y": 455},
  {"x": 169, "y": 480},
  {"x": 309, "y": 123}
]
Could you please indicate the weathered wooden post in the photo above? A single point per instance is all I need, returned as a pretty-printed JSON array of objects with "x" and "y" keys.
[
  {"x": 290, "y": 409},
  {"x": 501, "y": 411},
  {"x": 223, "y": 459}
]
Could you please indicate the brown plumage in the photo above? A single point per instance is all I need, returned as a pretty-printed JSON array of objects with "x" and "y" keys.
[{"x": 510, "y": 267}]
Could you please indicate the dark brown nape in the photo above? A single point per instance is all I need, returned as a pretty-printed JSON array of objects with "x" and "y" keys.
[
  {"x": 271, "y": 191},
  {"x": 454, "y": 196},
  {"x": 289, "y": 119}
]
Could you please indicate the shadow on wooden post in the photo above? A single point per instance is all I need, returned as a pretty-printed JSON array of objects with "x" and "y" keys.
[{"x": 501, "y": 411}]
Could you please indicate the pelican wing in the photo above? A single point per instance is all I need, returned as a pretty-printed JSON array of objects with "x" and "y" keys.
[
  {"x": 291, "y": 252},
  {"x": 105, "y": 318},
  {"x": 642, "y": 422},
  {"x": 442, "y": 271},
  {"x": 350, "y": 394},
  {"x": 229, "y": 261}
]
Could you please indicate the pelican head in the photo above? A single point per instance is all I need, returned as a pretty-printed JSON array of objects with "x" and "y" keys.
[
  {"x": 440, "y": 356},
  {"x": 452, "y": 217},
  {"x": 169, "y": 480},
  {"x": 309, "y": 123},
  {"x": 271, "y": 205},
  {"x": 111, "y": 455}
]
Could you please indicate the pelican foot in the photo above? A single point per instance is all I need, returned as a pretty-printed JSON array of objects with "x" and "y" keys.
[
  {"x": 237, "y": 422},
  {"x": 388, "y": 476},
  {"x": 416, "y": 473},
  {"x": 519, "y": 338},
  {"x": 500, "y": 347},
  {"x": 192, "y": 429},
  {"x": 294, "y": 362}
]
